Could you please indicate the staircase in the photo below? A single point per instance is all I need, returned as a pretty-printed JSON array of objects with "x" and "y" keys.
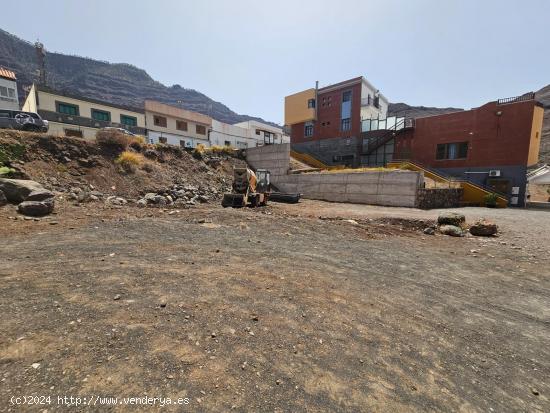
[
  {"x": 473, "y": 194},
  {"x": 377, "y": 142},
  {"x": 311, "y": 161}
]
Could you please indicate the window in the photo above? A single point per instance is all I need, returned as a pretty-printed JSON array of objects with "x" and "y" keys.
[
  {"x": 451, "y": 151},
  {"x": 227, "y": 143},
  {"x": 346, "y": 124},
  {"x": 181, "y": 125},
  {"x": 73, "y": 132},
  {"x": 346, "y": 96},
  {"x": 159, "y": 121},
  {"x": 162, "y": 139},
  {"x": 67, "y": 108},
  {"x": 3, "y": 91},
  {"x": 11, "y": 92},
  {"x": 200, "y": 129},
  {"x": 101, "y": 115},
  {"x": 311, "y": 103},
  {"x": 308, "y": 129},
  {"x": 128, "y": 120},
  {"x": 257, "y": 131}
]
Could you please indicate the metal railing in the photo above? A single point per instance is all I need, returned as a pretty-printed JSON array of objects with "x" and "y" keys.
[
  {"x": 393, "y": 123},
  {"x": 87, "y": 122},
  {"x": 526, "y": 96}
]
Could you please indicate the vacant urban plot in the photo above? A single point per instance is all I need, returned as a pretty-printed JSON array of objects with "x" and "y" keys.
[{"x": 276, "y": 310}]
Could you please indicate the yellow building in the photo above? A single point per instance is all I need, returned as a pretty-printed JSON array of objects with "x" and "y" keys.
[
  {"x": 71, "y": 115},
  {"x": 176, "y": 126}
]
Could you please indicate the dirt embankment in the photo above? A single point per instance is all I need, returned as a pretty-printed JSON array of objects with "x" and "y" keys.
[{"x": 61, "y": 163}]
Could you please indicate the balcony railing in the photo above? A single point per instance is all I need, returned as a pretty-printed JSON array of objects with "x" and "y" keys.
[
  {"x": 390, "y": 123},
  {"x": 87, "y": 122},
  {"x": 527, "y": 96}
]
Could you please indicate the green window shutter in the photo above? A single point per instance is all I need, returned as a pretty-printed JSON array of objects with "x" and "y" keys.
[
  {"x": 67, "y": 109},
  {"x": 128, "y": 120},
  {"x": 101, "y": 115}
]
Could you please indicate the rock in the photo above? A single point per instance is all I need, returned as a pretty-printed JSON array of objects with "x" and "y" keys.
[
  {"x": 36, "y": 208},
  {"x": 483, "y": 228},
  {"x": 535, "y": 391},
  {"x": 116, "y": 297},
  {"x": 429, "y": 231},
  {"x": 451, "y": 230},
  {"x": 451, "y": 218},
  {"x": 142, "y": 203},
  {"x": 17, "y": 190},
  {"x": 3, "y": 199},
  {"x": 40, "y": 195}
]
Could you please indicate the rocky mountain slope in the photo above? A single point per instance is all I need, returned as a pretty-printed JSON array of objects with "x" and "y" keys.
[{"x": 117, "y": 83}]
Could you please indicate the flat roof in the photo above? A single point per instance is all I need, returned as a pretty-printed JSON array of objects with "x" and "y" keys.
[{"x": 47, "y": 89}]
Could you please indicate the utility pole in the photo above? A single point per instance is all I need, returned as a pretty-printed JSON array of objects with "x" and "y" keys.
[{"x": 41, "y": 57}]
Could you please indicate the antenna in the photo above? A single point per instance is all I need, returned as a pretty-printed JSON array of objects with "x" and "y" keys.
[{"x": 41, "y": 57}]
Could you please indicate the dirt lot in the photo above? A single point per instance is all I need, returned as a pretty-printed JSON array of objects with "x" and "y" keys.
[{"x": 275, "y": 309}]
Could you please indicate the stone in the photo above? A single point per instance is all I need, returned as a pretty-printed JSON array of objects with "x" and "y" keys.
[
  {"x": 451, "y": 218},
  {"x": 429, "y": 231},
  {"x": 142, "y": 203},
  {"x": 3, "y": 199},
  {"x": 483, "y": 228},
  {"x": 17, "y": 190},
  {"x": 40, "y": 195},
  {"x": 116, "y": 297},
  {"x": 451, "y": 230},
  {"x": 36, "y": 208}
]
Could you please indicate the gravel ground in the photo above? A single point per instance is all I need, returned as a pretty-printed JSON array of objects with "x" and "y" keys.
[{"x": 276, "y": 310}]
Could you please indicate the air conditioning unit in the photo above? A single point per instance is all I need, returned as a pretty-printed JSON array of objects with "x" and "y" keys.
[{"x": 494, "y": 172}]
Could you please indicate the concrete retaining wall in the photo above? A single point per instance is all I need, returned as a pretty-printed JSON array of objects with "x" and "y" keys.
[
  {"x": 391, "y": 188},
  {"x": 274, "y": 158},
  {"x": 395, "y": 188}
]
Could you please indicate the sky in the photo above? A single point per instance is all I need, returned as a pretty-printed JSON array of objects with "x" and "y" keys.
[{"x": 250, "y": 54}]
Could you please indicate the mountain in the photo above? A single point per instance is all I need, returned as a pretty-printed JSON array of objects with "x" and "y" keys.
[
  {"x": 402, "y": 109},
  {"x": 543, "y": 96},
  {"x": 117, "y": 83}
]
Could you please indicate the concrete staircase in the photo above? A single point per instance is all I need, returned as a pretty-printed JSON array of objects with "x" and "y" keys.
[{"x": 473, "y": 194}]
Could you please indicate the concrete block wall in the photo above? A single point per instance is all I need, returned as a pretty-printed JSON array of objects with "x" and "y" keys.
[{"x": 274, "y": 158}]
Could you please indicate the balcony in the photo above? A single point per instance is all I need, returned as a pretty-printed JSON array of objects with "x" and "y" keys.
[
  {"x": 87, "y": 122},
  {"x": 390, "y": 123}
]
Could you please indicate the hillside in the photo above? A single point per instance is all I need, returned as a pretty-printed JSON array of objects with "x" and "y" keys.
[{"x": 117, "y": 83}]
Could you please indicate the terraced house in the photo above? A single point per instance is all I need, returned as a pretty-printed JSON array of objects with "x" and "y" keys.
[
  {"x": 176, "y": 126},
  {"x": 73, "y": 115}
]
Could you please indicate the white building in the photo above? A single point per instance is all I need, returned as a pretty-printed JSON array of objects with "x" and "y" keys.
[
  {"x": 264, "y": 133},
  {"x": 8, "y": 90},
  {"x": 223, "y": 134}
]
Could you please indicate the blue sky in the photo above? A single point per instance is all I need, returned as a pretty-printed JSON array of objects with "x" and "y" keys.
[{"x": 250, "y": 54}]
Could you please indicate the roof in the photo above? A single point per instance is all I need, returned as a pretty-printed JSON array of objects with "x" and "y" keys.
[
  {"x": 7, "y": 74},
  {"x": 46, "y": 89},
  {"x": 176, "y": 112}
]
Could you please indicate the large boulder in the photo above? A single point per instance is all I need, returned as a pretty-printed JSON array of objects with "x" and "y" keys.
[
  {"x": 483, "y": 228},
  {"x": 17, "y": 190},
  {"x": 452, "y": 230},
  {"x": 3, "y": 199},
  {"x": 451, "y": 218},
  {"x": 36, "y": 208},
  {"x": 40, "y": 195}
]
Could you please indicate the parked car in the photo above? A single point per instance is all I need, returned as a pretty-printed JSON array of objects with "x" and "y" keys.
[
  {"x": 27, "y": 121},
  {"x": 121, "y": 130}
]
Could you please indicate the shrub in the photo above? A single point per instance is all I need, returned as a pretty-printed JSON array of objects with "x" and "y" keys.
[
  {"x": 113, "y": 138},
  {"x": 129, "y": 160},
  {"x": 6, "y": 171},
  {"x": 138, "y": 142},
  {"x": 229, "y": 150},
  {"x": 490, "y": 199}
]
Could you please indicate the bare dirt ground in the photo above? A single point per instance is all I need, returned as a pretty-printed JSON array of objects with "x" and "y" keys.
[{"x": 275, "y": 309}]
